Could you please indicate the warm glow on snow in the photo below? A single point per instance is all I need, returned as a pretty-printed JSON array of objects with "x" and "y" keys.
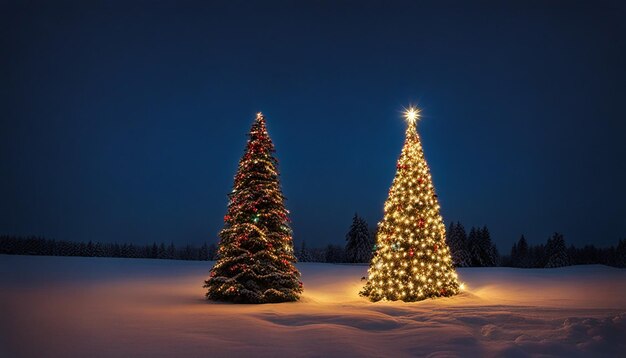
[{"x": 139, "y": 307}]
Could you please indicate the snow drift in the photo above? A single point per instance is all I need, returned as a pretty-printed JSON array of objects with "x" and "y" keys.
[{"x": 104, "y": 307}]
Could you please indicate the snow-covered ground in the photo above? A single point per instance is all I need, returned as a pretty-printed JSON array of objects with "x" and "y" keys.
[{"x": 101, "y": 307}]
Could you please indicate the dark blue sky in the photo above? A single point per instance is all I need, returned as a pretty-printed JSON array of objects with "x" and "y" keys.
[{"x": 125, "y": 122}]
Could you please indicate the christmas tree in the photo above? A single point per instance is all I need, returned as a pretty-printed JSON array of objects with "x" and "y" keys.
[
  {"x": 255, "y": 257},
  {"x": 412, "y": 261}
]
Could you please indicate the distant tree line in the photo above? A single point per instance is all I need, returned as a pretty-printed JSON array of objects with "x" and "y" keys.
[
  {"x": 473, "y": 250},
  {"x": 33, "y": 245},
  {"x": 468, "y": 250},
  {"x": 477, "y": 250},
  {"x": 358, "y": 248},
  {"x": 555, "y": 253}
]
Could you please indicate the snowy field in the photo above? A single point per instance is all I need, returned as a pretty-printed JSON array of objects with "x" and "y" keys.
[{"x": 102, "y": 307}]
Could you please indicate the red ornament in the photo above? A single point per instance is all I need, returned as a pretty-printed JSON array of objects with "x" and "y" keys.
[
  {"x": 420, "y": 223},
  {"x": 436, "y": 247},
  {"x": 411, "y": 253}
]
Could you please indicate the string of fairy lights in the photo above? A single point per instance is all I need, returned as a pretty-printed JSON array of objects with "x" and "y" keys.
[
  {"x": 256, "y": 260},
  {"x": 256, "y": 256},
  {"x": 412, "y": 261}
]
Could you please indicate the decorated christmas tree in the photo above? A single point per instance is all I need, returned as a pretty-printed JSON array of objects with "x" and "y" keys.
[
  {"x": 255, "y": 257},
  {"x": 411, "y": 261}
]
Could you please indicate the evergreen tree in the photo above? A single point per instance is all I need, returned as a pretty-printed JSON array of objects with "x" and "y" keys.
[
  {"x": 132, "y": 251},
  {"x": 303, "y": 253},
  {"x": 522, "y": 259},
  {"x": 256, "y": 261},
  {"x": 8, "y": 245},
  {"x": 212, "y": 251},
  {"x": 317, "y": 254},
  {"x": 495, "y": 255},
  {"x": 99, "y": 250},
  {"x": 537, "y": 256},
  {"x": 457, "y": 241},
  {"x": 513, "y": 257},
  {"x": 358, "y": 245},
  {"x": 162, "y": 252},
  {"x": 491, "y": 257},
  {"x": 620, "y": 254},
  {"x": 482, "y": 251},
  {"x": 556, "y": 251},
  {"x": 203, "y": 252},
  {"x": 171, "y": 251},
  {"x": 412, "y": 261},
  {"x": 90, "y": 249},
  {"x": 334, "y": 254},
  {"x": 154, "y": 251},
  {"x": 474, "y": 248},
  {"x": 188, "y": 253}
]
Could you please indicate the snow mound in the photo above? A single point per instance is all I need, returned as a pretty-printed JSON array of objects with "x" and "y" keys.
[{"x": 102, "y": 307}]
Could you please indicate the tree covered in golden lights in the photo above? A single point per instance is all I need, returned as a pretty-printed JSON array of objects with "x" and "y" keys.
[
  {"x": 255, "y": 257},
  {"x": 412, "y": 261}
]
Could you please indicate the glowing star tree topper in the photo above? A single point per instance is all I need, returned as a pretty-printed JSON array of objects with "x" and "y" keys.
[
  {"x": 412, "y": 261},
  {"x": 412, "y": 115}
]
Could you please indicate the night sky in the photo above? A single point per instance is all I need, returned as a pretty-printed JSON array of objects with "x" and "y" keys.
[{"x": 126, "y": 122}]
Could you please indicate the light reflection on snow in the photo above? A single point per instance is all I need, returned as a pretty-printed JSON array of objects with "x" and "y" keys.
[{"x": 123, "y": 307}]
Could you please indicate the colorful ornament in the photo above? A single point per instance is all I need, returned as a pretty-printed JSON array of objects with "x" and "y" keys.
[{"x": 263, "y": 253}]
